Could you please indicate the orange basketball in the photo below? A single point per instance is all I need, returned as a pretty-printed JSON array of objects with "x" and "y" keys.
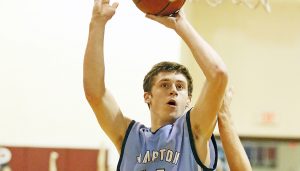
[{"x": 159, "y": 7}]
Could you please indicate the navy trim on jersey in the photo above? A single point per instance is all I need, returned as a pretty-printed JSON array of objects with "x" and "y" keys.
[
  {"x": 158, "y": 129},
  {"x": 188, "y": 121},
  {"x": 124, "y": 143}
]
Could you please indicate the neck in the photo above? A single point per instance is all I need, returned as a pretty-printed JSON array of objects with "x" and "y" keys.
[{"x": 159, "y": 121}]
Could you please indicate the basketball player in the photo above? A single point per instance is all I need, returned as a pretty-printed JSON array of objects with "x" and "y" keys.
[
  {"x": 234, "y": 151},
  {"x": 179, "y": 138}
]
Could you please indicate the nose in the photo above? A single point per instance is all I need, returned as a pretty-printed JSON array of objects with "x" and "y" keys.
[{"x": 173, "y": 91}]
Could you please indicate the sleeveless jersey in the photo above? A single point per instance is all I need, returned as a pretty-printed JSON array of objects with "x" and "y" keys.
[{"x": 170, "y": 148}]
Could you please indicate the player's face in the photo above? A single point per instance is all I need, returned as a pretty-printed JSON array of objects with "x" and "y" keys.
[{"x": 169, "y": 94}]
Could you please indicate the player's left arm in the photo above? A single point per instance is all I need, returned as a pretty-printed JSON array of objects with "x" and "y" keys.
[{"x": 204, "y": 114}]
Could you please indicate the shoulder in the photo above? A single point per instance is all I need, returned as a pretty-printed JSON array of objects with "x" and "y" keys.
[{"x": 133, "y": 130}]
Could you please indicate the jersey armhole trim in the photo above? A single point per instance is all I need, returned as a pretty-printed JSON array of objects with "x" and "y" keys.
[
  {"x": 124, "y": 143},
  {"x": 192, "y": 143}
]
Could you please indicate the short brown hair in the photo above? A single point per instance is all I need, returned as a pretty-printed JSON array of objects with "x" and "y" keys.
[{"x": 167, "y": 67}]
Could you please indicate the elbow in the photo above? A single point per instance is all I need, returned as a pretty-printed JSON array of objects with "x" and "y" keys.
[
  {"x": 93, "y": 98},
  {"x": 92, "y": 95},
  {"x": 221, "y": 75}
]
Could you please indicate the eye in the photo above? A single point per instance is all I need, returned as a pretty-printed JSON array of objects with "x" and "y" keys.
[
  {"x": 179, "y": 86},
  {"x": 164, "y": 85}
]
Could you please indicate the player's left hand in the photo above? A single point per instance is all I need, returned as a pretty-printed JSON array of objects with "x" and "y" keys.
[{"x": 169, "y": 21}]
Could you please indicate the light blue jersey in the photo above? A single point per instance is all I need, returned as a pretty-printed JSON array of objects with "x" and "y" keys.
[{"x": 170, "y": 148}]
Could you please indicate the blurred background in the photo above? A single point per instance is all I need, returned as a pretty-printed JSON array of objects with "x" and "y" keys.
[{"x": 43, "y": 111}]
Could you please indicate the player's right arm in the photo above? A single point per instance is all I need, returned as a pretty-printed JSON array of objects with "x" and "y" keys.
[
  {"x": 107, "y": 111},
  {"x": 234, "y": 151}
]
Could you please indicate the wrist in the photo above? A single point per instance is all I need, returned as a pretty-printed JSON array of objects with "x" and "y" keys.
[
  {"x": 98, "y": 21},
  {"x": 224, "y": 119},
  {"x": 181, "y": 26}
]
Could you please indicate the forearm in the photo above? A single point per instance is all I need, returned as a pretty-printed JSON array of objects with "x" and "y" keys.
[
  {"x": 214, "y": 69},
  {"x": 233, "y": 148},
  {"x": 93, "y": 69},
  {"x": 206, "y": 57}
]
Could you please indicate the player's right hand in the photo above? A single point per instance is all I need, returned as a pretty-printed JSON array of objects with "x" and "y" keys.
[{"x": 103, "y": 11}]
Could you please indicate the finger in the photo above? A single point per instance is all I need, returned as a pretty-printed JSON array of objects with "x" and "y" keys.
[
  {"x": 97, "y": 1},
  {"x": 230, "y": 91},
  {"x": 154, "y": 17},
  {"x": 150, "y": 16},
  {"x": 115, "y": 5},
  {"x": 228, "y": 95}
]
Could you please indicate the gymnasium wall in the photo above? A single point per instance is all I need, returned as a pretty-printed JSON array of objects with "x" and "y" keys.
[
  {"x": 42, "y": 43},
  {"x": 262, "y": 53}
]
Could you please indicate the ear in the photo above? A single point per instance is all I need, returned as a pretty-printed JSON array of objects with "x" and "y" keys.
[{"x": 147, "y": 97}]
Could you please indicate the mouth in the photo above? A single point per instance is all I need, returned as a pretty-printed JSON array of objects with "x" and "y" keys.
[{"x": 172, "y": 103}]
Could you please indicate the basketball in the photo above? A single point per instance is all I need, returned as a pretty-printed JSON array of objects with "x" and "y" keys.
[{"x": 159, "y": 7}]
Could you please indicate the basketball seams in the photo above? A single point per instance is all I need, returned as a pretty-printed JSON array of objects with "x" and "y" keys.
[
  {"x": 159, "y": 7},
  {"x": 164, "y": 8},
  {"x": 151, "y": 6},
  {"x": 171, "y": 6}
]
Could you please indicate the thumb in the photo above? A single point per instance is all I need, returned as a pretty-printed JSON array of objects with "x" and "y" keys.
[
  {"x": 115, "y": 5},
  {"x": 150, "y": 16},
  {"x": 158, "y": 19},
  {"x": 97, "y": 1}
]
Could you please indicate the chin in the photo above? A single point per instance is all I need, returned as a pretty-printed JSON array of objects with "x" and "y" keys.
[{"x": 177, "y": 113}]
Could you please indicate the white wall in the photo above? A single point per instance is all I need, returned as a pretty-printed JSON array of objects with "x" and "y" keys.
[{"x": 42, "y": 44}]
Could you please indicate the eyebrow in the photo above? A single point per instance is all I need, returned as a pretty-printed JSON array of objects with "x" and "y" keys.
[{"x": 166, "y": 79}]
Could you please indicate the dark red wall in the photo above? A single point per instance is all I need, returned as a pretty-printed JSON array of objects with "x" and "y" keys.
[{"x": 37, "y": 159}]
